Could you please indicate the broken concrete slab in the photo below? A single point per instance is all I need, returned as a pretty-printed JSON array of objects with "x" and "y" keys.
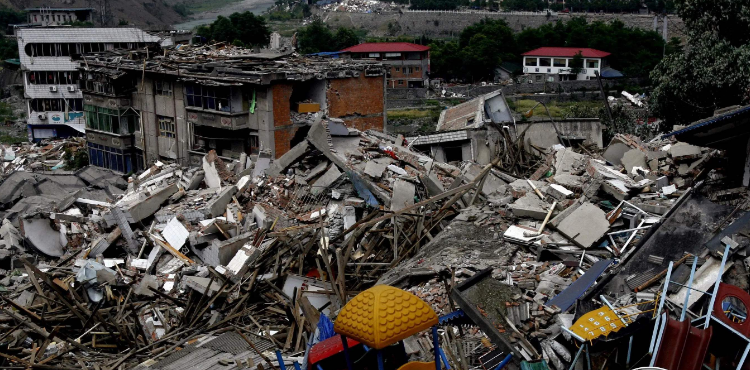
[
  {"x": 585, "y": 225},
  {"x": 289, "y": 158},
  {"x": 634, "y": 158},
  {"x": 568, "y": 161},
  {"x": 325, "y": 180},
  {"x": 218, "y": 205},
  {"x": 262, "y": 164},
  {"x": 40, "y": 234},
  {"x": 317, "y": 170},
  {"x": 175, "y": 233},
  {"x": 403, "y": 194},
  {"x": 530, "y": 205},
  {"x": 199, "y": 284},
  {"x": 680, "y": 150},
  {"x": 433, "y": 184},
  {"x": 376, "y": 167},
  {"x": 148, "y": 206},
  {"x": 559, "y": 192}
]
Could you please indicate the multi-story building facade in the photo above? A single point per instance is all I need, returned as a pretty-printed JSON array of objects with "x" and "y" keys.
[
  {"x": 46, "y": 16},
  {"x": 50, "y": 60},
  {"x": 408, "y": 64},
  {"x": 233, "y": 106},
  {"x": 554, "y": 63}
]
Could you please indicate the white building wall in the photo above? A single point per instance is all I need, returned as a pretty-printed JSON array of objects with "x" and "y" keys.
[{"x": 586, "y": 73}]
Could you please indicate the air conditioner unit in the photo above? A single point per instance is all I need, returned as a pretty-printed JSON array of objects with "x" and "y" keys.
[
  {"x": 71, "y": 88},
  {"x": 42, "y": 116},
  {"x": 53, "y": 89}
]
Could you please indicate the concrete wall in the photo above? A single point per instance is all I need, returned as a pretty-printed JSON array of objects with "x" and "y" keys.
[
  {"x": 543, "y": 135},
  {"x": 150, "y": 106},
  {"x": 436, "y": 24}
]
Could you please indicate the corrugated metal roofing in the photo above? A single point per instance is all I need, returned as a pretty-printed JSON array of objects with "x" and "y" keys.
[
  {"x": 566, "y": 52},
  {"x": 57, "y": 9},
  {"x": 710, "y": 121},
  {"x": 70, "y": 34},
  {"x": 386, "y": 47}
]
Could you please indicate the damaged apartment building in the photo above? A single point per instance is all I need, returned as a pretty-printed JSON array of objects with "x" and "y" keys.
[
  {"x": 473, "y": 131},
  {"x": 50, "y": 58},
  {"x": 175, "y": 106}
]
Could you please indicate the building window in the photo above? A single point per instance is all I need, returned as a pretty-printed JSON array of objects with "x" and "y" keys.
[
  {"x": 208, "y": 97},
  {"x": 163, "y": 87},
  {"x": 538, "y": 78},
  {"x": 115, "y": 121},
  {"x": 530, "y": 62},
  {"x": 398, "y": 69},
  {"x": 559, "y": 62},
  {"x": 411, "y": 70},
  {"x": 592, "y": 63},
  {"x": 56, "y": 105},
  {"x": 373, "y": 55},
  {"x": 416, "y": 69},
  {"x": 400, "y": 82},
  {"x": 53, "y": 78},
  {"x": 166, "y": 126},
  {"x": 254, "y": 144},
  {"x": 112, "y": 158},
  {"x": 545, "y": 62}
]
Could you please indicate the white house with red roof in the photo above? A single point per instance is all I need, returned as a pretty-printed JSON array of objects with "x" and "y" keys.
[
  {"x": 554, "y": 63},
  {"x": 409, "y": 63}
]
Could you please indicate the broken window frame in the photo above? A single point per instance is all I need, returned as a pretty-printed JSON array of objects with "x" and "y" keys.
[
  {"x": 163, "y": 88},
  {"x": 166, "y": 127},
  {"x": 216, "y": 98}
]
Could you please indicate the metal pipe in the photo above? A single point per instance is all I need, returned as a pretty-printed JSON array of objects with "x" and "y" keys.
[
  {"x": 280, "y": 360},
  {"x": 689, "y": 288},
  {"x": 346, "y": 353},
  {"x": 716, "y": 287},
  {"x": 436, "y": 346}
]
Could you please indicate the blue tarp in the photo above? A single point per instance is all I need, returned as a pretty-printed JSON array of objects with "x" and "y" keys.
[
  {"x": 611, "y": 73},
  {"x": 325, "y": 328},
  {"x": 568, "y": 297}
]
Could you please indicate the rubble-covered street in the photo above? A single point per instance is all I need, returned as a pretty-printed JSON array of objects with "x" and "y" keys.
[{"x": 576, "y": 256}]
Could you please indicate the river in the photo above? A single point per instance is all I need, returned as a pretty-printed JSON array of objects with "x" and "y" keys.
[{"x": 255, "y": 6}]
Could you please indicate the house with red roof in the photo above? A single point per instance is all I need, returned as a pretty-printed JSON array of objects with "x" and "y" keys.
[
  {"x": 409, "y": 64},
  {"x": 554, "y": 64}
]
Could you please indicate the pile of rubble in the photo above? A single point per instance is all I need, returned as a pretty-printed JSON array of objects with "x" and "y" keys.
[
  {"x": 359, "y": 6},
  {"x": 225, "y": 264}
]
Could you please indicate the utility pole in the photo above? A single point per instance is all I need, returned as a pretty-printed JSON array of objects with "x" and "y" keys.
[{"x": 604, "y": 96}]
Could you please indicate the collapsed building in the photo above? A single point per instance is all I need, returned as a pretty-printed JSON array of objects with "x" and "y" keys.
[
  {"x": 50, "y": 58},
  {"x": 179, "y": 105},
  {"x": 521, "y": 246}
]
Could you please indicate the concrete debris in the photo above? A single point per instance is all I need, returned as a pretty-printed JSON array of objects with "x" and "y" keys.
[{"x": 267, "y": 248}]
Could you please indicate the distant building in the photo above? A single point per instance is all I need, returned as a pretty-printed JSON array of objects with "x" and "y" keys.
[
  {"x": 57, "y": 16},
  {"x": 237, "y": 105},
  {"x": 48, "y": 61},
  {"x": 554, "y": 63},
  {"x": 409, "y": 63}
]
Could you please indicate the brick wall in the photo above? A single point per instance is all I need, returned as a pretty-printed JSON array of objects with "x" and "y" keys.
[
  {"x": 402, "y": 72},
  {"x": 358, "y": 101},
  {"x": 282, "y": 119}
]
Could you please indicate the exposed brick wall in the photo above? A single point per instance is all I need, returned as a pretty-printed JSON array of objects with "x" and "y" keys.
[
  {"x": 282, "y": 92},
  {"x": 283, "y": 131},
  {"x": 365, "y": 123},
  {"x": 282, "y": 138},
  {"x": 355, "y": 96}
]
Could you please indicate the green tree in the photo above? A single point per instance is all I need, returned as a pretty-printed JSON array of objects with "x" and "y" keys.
[
  {"x": 246, "y": 27},
  {"x": 713, "y": 72},
  {"x": 315, "y": 38},
  {"x": 576, "y": 64},
  {"x": 345, "y": 37}
]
